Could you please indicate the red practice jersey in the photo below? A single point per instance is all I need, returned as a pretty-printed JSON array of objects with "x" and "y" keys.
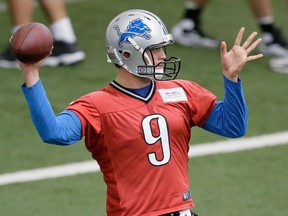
[{"x": 141, "y": 143}]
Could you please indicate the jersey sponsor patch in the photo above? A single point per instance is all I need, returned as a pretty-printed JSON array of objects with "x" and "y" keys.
[
  {"x": 186, "y": 195},
  {"x": 172, "y": 94}
]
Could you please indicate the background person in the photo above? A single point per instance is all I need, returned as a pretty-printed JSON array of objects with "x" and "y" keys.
[
  {"x": 65, "y": 51},
  {"x": 188, "y": 31}
]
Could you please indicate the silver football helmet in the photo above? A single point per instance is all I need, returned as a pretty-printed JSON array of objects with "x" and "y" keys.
[{"x": 129, "y": 38}]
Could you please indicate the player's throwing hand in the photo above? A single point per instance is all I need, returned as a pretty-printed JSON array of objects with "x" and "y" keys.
[{"x": 234, "y": 60}]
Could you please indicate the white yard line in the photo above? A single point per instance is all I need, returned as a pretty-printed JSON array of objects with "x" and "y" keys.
[
  {"x": 233, "y": 145},
  {"x": 226, "y": 146}
]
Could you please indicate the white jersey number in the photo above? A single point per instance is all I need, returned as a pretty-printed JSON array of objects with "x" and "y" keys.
[{"x": 161, "y": 138}]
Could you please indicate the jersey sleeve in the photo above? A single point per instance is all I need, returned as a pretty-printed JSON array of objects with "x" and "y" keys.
[
  {"x": 201, "y": 102},
  {"x": 88, "y": 114}
]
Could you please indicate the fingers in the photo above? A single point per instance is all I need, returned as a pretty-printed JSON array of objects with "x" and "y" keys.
[
  {"x": 254, "y": 57},
  {"x": 247, "y": 46},
  {"x": 223, "y": 48},
  {"x": 249, "y": 40},
  {"x": 254, "y": 45},
  {"x": 239, "y": 36}
]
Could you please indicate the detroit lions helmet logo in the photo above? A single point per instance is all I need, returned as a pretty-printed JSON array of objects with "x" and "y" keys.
[{"x": 136, "y": 28}]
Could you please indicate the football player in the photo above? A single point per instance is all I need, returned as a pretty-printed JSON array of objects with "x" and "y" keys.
[{"x": 138, "y": 126}]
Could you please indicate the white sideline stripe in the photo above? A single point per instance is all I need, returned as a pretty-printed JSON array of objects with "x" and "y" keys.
[
  {"x": 233, "y": 145},
  {"x": 226, "y": 146},
  {"x": 49, "y": 172}
]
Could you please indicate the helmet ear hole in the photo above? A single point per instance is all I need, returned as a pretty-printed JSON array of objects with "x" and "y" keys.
[{"x": 126, "y": 54}]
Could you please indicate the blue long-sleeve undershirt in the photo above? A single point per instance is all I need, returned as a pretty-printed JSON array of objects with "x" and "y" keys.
[
  {"x": 63, "y": 129},
  {"x": 228, "y": 118}
]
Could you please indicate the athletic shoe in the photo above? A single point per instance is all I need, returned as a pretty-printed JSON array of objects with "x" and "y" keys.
[
  {"x": 279, "y": 64},
  {"x": 274, "y": 44},
  {"x": 185, "y": 34},
  {"x": 8, "y": 59},
  {"x": 64, "y": 54}
]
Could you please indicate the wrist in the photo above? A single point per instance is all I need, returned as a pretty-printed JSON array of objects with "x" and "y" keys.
[
  {"x": 30, "y": 79},
  {"x": 231, "y": 77}
]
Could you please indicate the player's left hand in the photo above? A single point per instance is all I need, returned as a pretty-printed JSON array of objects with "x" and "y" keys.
[{"x": 234, "y": 60}]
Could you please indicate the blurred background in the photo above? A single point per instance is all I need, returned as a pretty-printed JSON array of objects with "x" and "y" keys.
[{"x": 251, "y": 182}]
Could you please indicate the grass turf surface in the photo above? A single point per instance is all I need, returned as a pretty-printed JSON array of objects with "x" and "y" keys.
[{"x": 251, "y": 183}]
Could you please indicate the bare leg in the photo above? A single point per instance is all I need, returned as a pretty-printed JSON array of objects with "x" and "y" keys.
[
  {"x": 65, "y": 48},
  {"x": 61, "y": 25},
  {"x": 21, "y": 12},
  {"x": 261, "y": 8},
  {"x": 54, "y": 9}
]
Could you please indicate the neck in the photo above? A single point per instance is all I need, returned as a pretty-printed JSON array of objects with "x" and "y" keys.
[{"x": 129, "y": 80}]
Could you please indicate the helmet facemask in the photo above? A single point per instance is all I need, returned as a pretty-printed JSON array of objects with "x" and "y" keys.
[{"x": 167, "y": 69}]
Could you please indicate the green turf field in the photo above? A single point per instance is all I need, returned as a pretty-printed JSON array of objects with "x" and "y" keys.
[{"x": 243, "y": 183}]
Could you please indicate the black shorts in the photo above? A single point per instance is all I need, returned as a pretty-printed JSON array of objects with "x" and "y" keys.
[{"x": 177, "y": 214}]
